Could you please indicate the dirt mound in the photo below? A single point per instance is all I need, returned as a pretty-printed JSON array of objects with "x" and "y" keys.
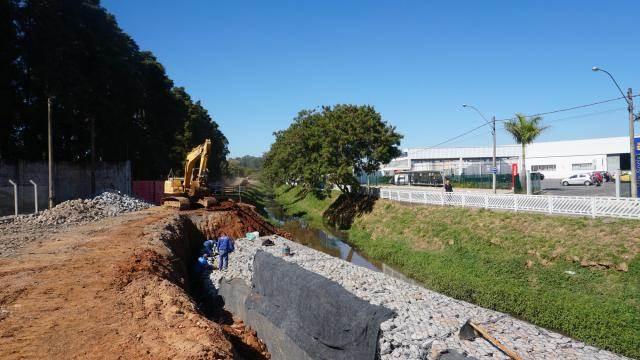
[{"x": 235, "y": 220}]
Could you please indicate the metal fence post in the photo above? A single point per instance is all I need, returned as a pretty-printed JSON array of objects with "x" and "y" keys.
[
  {"x": 550, "y": 201},
  {"x": 35, "y": 194},
  {"x": 410, "y": 196},
  {"x": 442, "y": 198},
  {"x": 486, "y": 201},
  {"x": 593, "y": 207},
  {"x": 515, "y": 203},
  {"x": 618, "y": 173},
  {"x": 15, "y": 197},
  {"x": 464, "y": 200}
]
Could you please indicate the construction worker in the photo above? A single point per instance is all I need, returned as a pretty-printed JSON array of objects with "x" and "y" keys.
[
  {"x": 225, "y": 246},
  {"x": 209, "y": 248},
  {"x": 202, "y": 265}
]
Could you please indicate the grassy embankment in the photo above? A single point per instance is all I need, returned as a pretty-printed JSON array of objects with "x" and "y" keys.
[{"x": 511, "y": 262}]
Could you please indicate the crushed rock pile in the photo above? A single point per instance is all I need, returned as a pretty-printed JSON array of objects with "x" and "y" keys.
[{"x": 107, "y": 204}]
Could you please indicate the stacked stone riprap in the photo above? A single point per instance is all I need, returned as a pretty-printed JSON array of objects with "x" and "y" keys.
[{"x": 426, "y": 323}]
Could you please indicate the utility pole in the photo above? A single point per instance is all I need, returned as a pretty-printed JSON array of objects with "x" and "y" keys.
[
  {"x": 93, "y": 156},
  {"x": 494, "y": 170},
  {"x": 632, "y": 145},
  {"x": 50, "y": 145}
]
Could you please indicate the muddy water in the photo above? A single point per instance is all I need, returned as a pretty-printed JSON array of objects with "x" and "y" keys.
[{"x": 328, "y": 240}]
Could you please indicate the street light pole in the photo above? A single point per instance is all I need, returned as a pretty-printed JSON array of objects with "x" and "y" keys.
[
  {"x": 632, "y": 147},
  {"x": 491, "y": 123}
]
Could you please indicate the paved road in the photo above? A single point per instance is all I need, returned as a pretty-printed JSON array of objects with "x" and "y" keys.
[
  {"x": 549, "y": 187},
  {"x": 554, "y": 187}
]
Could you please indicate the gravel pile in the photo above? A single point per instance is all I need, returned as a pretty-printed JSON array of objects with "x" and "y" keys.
[
  {"x": 107, "y": 204},
  {"x": 426, "y": 323},
  {"x": 17, "y": 232}
]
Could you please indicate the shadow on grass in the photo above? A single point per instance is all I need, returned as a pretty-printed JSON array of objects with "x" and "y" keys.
[
  {"x": 299, "y": 214},
  {"x": 346, "y": 208}
]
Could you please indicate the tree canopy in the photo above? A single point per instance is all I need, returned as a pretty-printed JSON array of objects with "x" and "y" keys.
[
  {"x": 75, "y": 53},
  {"x": 245, "y": 166},
  {"x": 328, "y": 147}
]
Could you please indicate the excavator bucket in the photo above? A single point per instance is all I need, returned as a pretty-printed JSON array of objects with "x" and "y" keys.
[
  {"x": 180, "y": 202},
  {"x": 208, "y": 202}
]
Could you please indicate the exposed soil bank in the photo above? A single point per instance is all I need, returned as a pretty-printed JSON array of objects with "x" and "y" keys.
[{"x": 117, "y": 288}]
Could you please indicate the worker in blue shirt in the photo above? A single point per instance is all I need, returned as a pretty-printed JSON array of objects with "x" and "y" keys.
[
  {"x": 209, "y": 248},
  {"x": 202, "y": 265},
  {"x": 225, "y": 246}
]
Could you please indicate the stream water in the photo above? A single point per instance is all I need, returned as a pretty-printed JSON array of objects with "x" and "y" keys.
[{"x": 328, "y": 240}]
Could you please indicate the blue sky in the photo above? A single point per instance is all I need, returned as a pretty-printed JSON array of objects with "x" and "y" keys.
[{"x": 255, "y": 64}]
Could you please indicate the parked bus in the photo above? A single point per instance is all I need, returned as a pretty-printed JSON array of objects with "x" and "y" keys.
[{"x": 419, "y": 178}]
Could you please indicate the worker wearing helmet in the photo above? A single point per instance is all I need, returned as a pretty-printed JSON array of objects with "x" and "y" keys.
[{"x": 209, "y": 248}]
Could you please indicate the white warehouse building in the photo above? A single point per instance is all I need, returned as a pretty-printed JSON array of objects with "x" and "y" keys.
[{"x": 554, "y": 159}]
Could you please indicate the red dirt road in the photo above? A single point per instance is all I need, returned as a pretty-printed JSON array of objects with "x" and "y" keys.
[{"x": 103, "y": 290}]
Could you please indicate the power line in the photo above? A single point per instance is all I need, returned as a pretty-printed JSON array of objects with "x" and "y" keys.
[
  {"x": 585, "y": 115},
  {"x": 572, "y": 108},
  {"x": 539, "y": 114},
  {"x": 457, "y": 137}
]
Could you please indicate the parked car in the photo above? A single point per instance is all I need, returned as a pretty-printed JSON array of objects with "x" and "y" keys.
[{"x": 578, "y": 179}]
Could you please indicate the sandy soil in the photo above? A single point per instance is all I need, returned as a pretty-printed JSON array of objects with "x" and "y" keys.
[{"x": 106, "y": 290}]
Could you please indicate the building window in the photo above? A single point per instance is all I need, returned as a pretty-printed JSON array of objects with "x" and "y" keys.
[
  {"x": 583, "y": 166},
  {"x": 543, "y": 168}
]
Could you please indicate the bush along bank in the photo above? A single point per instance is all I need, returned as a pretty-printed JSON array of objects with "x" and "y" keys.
[{"x": 575, "y": 275}]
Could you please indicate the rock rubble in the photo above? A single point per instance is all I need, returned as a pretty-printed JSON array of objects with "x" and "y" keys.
[
  {"x": 107, "y": 204},
  {"x": 426, "y": 323},
  {"x": 20, "y": 230}
]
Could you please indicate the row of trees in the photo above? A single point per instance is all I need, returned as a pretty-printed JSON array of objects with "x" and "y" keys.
[
  {"x": 102, "y": 86},
  {"x": 328, "y": 147},
  {"x": 245, "y": 166}
]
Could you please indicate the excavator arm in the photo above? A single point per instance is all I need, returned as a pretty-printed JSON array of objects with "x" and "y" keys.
[
  {"x": 200, "y": 152},
  {"x": 181, "y": 192}
]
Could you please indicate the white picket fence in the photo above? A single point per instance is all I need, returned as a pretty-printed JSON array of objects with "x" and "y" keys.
[{"x": 573, "y": 205}]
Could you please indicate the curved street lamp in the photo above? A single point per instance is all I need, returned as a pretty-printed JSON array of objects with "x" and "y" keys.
[
  {"x": 493, "y": 132},
  {"x": 632, "y": 117}
]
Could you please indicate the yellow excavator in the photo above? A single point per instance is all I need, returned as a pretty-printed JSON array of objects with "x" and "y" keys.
[{"x": 192, "y": 189}]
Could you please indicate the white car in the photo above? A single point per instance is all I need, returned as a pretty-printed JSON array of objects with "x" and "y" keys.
[{"x": 578, "y": 179}]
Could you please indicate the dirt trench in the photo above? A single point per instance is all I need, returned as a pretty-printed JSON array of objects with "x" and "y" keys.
[{"x": 121, "y": 288}]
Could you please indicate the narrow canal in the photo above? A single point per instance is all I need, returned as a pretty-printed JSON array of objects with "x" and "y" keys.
[{"x": 328, "y": 240}]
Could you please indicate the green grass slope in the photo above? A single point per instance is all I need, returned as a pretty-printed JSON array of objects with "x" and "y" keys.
[{"x": 511, "y": 262}]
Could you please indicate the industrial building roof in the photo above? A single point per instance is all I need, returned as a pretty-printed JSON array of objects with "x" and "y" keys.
[{"x": 610, "y": 145}]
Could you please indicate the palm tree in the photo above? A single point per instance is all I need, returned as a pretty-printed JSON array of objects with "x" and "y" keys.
[{"x": 524, "y": 130}]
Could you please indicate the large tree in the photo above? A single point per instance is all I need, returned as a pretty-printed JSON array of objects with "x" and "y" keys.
[
  {"x": 327, "y": 148},
  {"x": 524, "y": 131},
  {"x": 103, "y": 87}
]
